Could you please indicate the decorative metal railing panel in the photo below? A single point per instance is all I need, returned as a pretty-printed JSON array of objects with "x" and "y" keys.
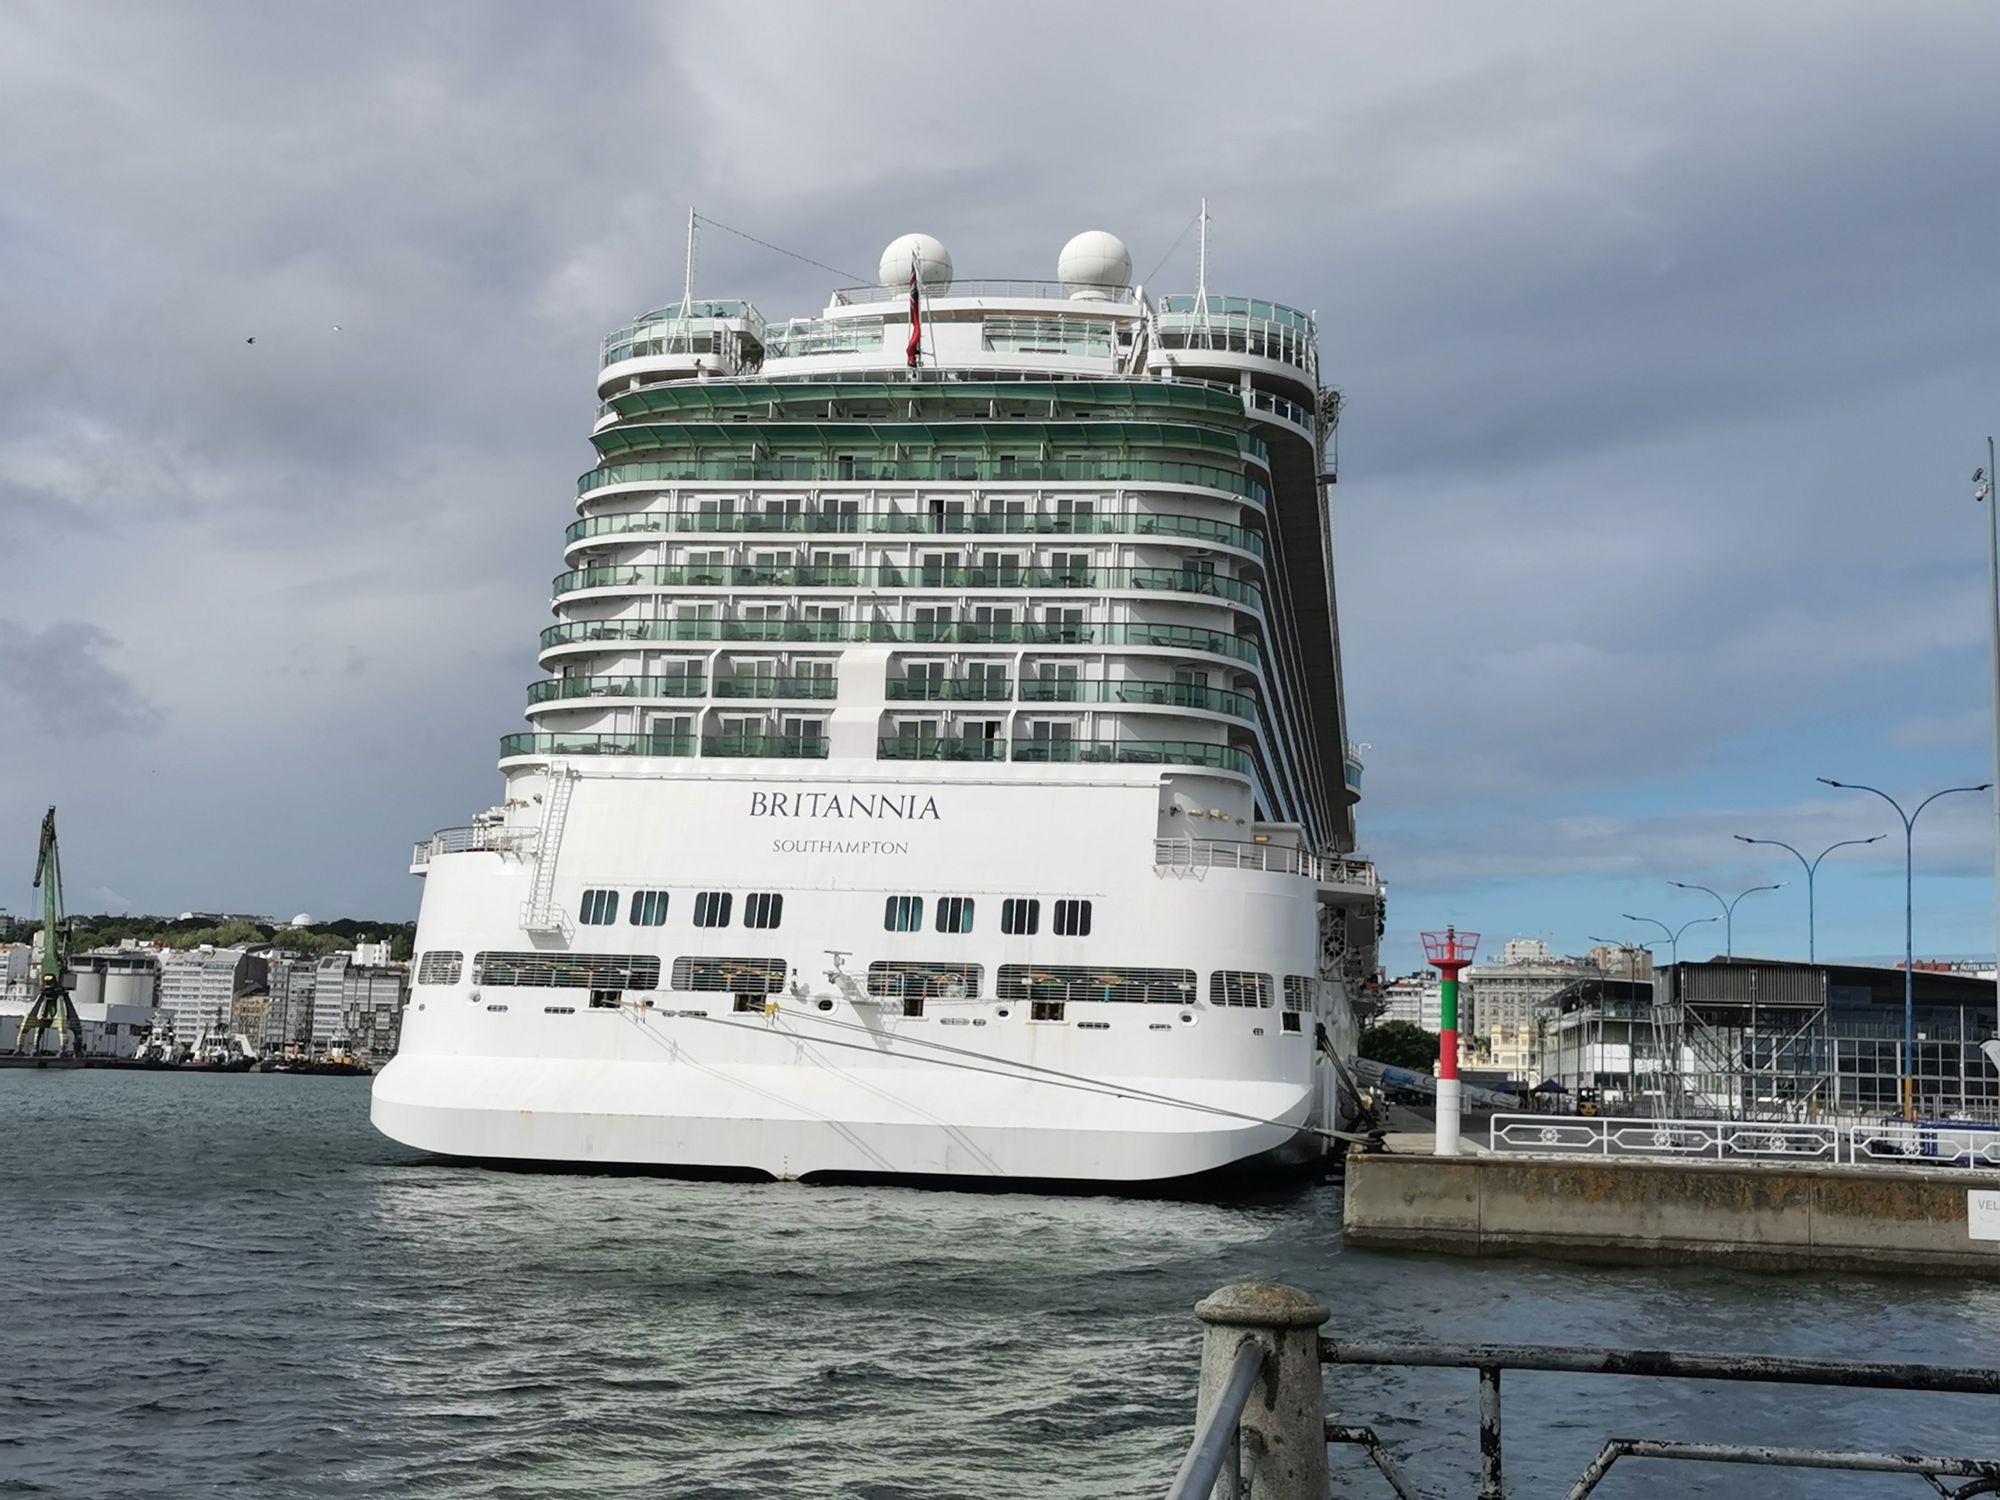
[{"x": 1938, "y": 1143}]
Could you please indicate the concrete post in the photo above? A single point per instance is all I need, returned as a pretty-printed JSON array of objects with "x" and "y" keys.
[{"x": 1284, "y": 1424}]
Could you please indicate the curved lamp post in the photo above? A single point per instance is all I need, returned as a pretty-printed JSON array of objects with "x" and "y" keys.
[
  {"x": 1673, "y": 934},
  {"x": 1728, "y": 909},
  {"x": 1812, "y": 869},
  {"x": 1909, "y": 937}
]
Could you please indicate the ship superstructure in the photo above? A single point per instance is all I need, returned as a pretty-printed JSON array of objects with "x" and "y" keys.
[{"x": 940, "y": 767}]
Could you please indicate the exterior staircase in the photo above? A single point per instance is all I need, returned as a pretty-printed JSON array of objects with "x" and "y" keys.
[{"x": 540, "y": 915}]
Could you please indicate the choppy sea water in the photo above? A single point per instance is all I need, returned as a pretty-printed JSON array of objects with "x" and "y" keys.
[{"x": 230, "y": 1285}]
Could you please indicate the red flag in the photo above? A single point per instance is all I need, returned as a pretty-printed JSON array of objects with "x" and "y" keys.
[{"x": 916, "y": 321}]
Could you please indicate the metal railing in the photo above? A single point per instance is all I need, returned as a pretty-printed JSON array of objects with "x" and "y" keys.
[
  {"x": 1192, "y": 855},
  {"x": 912, "y": 523},
  {"x": 1262, "y": 1432},
  {"x": 655, "y": 576},
  {"x": 480, "y": 836},
  {"x": 1052, "y": 291},
  {"x": 1931, "y": 1143},
  {"x": 835, "y": 470},
  {"x": 922, "y": 633}
]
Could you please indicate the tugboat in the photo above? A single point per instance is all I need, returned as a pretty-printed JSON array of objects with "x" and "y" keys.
[{"x": 219, "y": 1051}]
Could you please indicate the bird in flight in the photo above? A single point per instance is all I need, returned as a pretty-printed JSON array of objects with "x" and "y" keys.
[{"x": 250, "y": 341}]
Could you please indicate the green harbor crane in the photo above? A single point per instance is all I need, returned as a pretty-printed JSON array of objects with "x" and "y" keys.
[{"x": 52, "y": 1008}]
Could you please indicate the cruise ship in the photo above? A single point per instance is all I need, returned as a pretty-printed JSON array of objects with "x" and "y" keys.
[{"x": 941, "y": 768}]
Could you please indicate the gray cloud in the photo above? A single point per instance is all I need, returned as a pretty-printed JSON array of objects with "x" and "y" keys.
[
  {"x": 1663, "y": 331},
  {"x": 57, "y": 681}
]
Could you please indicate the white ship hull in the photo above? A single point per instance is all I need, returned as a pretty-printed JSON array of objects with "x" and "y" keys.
[{"x": 821, "y": 1078}]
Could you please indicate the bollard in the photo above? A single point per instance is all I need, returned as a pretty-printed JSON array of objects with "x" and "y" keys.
[{"x": 1284, "y": 1422}]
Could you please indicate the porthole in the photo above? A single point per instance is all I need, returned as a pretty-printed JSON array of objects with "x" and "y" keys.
[
  {"x": 826, "y": 1005},
  {"x": 1003, "y": 1013}
]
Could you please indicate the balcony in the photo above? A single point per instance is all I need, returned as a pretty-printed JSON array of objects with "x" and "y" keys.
[
  {"x": 649, "y": 576},
  {"x": 913, "y": 523},
  {"x": 950, "y": 690},
  {"x": 1133, "y": 752},
  {"x": 907, "y": 747},
  {"x": 555, "y": 689},
  {"x": 835, "y": 470},
  {"x": 898, "y": 747},
  {"x": 595, "y": 744},
  {"x": 892, "y": 632},
  {"x": 1136, "y": 691},
  {"x": 772, "y": 686},
  {"x": 765, "y": 746}
]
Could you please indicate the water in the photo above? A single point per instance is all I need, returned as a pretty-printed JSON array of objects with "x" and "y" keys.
[{"x": 232, "y": 1286}]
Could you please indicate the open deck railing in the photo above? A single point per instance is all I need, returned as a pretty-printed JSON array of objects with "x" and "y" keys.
[
  {"x": 479, "y": 836},
  {"x": 1262, "y": 1430},
  {"x": 1193, "y": 856}
]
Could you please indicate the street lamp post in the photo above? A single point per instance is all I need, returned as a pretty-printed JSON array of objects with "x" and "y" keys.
[
  {"x": 1673, "y": 935},
  {"x": 1909, "y": 921},
  {"x": 1984, "y": 490},
  {"x": 1812, "y": 869},
  {"x": 1728, "y": 909}
]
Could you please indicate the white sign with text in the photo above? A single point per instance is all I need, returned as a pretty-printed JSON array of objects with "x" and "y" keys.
[{"x": 1982, "y": 1213}]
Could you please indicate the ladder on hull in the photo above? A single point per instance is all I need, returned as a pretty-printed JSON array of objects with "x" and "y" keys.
[{"x": 540, "y": 914}]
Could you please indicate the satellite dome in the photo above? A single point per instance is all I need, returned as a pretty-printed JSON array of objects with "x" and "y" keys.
[
  {"x": 928, "y": 255},
  {"x": 1093, "y": 264},
  {"x": 303, "y": 919}
]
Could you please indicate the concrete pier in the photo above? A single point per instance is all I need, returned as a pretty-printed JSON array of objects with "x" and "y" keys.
[{"x": 1624, "y": 1211}]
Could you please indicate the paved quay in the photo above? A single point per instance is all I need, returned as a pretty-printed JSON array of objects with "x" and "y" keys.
[{"x": 1763, "y": 1215}]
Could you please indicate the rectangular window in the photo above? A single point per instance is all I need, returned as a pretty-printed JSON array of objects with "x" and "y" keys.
[
  {"x": 741, "y": 976},
  {"x": 440, "y": 966},
  {"x": 1059, "y": 982},
  {"x": 903, "y": 914},
  {"x": 583, "y": 971},
  {"x": 1236, "y": 987},
  {"x": 1298, "y": 992},
  {"x": 1072, "y": 919},
  {"x": 1045, "y": 1010},
  {"x": 907, "y": 979},
  {"x": 763, "y": 909},
  {"x": 954, "y": 914},
  {"x": 599, "y": 909},
  {"x": 1020, "y": 916},
  {"x": 711, "y": 909},
  {"x": 649, "y": 908}
]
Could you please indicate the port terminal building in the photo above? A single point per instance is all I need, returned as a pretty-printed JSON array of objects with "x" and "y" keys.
[{"x": 1743, "y": 1038}]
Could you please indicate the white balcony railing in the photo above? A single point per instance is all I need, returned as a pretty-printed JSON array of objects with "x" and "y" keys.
[{"x": 1193, "y": 856}]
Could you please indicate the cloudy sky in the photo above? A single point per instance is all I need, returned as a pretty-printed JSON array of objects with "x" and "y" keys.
[{"x": 1667, "y": 333}]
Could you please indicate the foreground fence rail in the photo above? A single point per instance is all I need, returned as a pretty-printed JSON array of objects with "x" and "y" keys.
[
  {"x": 1262, "y": 1432},
  {"x": 1932, "y": 1143}
]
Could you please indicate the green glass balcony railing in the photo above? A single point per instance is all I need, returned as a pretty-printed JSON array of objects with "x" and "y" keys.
[
  {"x": 950, "y": 690},
  {"x": 648, "y": 523},
  {"x": 912, "y": 747},
  {"x": 595, "y": 744},
  {"x": 884, "y": 632},
  {"x": 1130, "y": 690},
  {"x": 554, "y": 689},
  {"x": 1240, "y": 307},
  {"x": 871, "y": 398},
  {"x": 834, "y": 470},
  {"x": 900, "y": 747},
  {"x": 765, "y": 746},
  {"x": 1124, "y": 752},
  {"x": 776, "y": 687},
  {"x": 716, "y": 575}
]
